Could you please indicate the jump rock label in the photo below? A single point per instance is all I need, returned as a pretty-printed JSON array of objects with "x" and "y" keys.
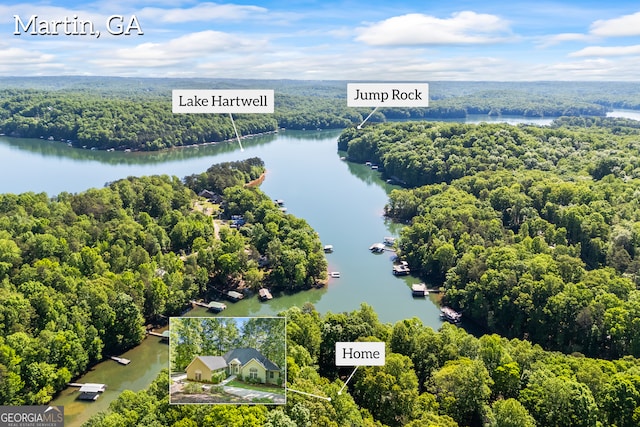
[
  {"x": 222, "y": 101},
  {"x": 388, "y": 95}
]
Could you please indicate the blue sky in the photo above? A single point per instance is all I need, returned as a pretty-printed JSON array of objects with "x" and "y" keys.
[{"x": 331, "y": 40}]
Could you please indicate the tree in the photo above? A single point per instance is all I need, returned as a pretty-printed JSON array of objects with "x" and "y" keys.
[
  {"x": 511, "y": 413},
  {"x": 127, "y": 329},
  {"x": 462, "y": 388},
  {"x": 186, "y": 342},
  {"x": 559, "y": 401},
  {"x": 620, "y": 401},
  {"x": 388, "y": 391}
]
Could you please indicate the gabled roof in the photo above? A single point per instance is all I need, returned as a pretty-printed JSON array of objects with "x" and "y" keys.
[
  {"x": 212, "y": 362},
  {"x": 244, "y": 355}
]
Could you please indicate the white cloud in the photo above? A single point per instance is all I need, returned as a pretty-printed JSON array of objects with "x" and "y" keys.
[
  {"x": 465, "y": 27},
  {"x": 607, "y": 51},
  {"x": 627, "y": 25},
  {"x": 189, "y": 50},
  {"x": 203, "y": 12},
  {"x": 37, "y": 63},
  {"x": 564, "y": 37}
]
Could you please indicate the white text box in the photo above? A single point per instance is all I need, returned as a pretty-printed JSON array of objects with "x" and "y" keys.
[
  {"x": 360, "y": 354},
  {"x": 202, "y": 101},
  {"x": 388, "y": 95}
]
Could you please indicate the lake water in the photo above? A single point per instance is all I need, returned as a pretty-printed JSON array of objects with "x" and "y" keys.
[{"x": 343, "y": 202}]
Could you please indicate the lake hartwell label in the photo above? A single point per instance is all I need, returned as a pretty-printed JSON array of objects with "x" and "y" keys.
[
  {"x": 360, "y": 354},
  {"x": 388, "y": 95},
  {"x": 223, "y": 101},
  {"x": 31, "y": 416}
]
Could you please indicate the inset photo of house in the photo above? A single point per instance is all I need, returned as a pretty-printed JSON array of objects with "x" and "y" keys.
[{"x": 227, "y": 360}]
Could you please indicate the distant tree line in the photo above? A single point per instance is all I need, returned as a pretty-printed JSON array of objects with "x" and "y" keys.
[{"x": 140, "y": 117}]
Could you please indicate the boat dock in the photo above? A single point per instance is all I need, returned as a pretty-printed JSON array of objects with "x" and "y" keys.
[
  {"x": 89, "y": 391},
  {"x": 381, "y": 247},
  {"x": 377, "y": 248},
  {"x": 164, "y": 335},
  {"x": 214, "y": 306},
  {"x": 450, "y": 315},
  {"x": 419, "y": 290},
  {"x": 401, "y": 269},
  {"x": 120, "y": 360},
  {"x": 264, "y": 294},
  {"x": 234, "y": 296}
]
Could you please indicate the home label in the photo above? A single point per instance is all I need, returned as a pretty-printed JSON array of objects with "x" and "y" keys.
[
  {"x": 222, "y": 101},
  {"x": 388, "y": 95},
  {"x": 360, "y": 354}
]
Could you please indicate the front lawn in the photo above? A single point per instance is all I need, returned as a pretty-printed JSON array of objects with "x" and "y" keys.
[{"x": 257, "y": 387}]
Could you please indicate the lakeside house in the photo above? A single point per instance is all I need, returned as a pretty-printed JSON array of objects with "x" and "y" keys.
[
  {"x": 211, "y": 196},
  {"x": 246, "y": 363}
]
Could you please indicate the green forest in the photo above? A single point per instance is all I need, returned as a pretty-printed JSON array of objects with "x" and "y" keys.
[
  {"x": 441, "y": 379},
  {"x": 82, "y": 274},
  {"x": 533, "y": 232}
]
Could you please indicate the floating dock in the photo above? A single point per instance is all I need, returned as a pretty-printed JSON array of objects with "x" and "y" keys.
[{"x": 120, "y": 360}]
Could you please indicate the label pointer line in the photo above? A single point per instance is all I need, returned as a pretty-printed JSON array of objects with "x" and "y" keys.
[
  {"x": 309, "y": 394},
  {"x": 370, "y": 114},
  {"x": 236, "y": 131},
  {"x": 350, "y": 376}
]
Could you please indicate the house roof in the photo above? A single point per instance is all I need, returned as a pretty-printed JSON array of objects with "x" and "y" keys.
[
  {"x": 244, "y": 355},
  {"x": 213, "y": 362}
]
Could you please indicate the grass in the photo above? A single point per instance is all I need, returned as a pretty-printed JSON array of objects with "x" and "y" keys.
[{"x": 256, "y": 387}]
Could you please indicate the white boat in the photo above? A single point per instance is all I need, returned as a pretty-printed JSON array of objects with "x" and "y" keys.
[{"x": 335, "y": 274}]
